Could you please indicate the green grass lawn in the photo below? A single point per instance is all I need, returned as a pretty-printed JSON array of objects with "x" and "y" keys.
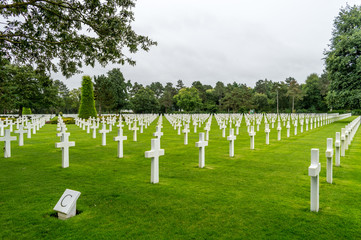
[{"x": 258, "y": 194}]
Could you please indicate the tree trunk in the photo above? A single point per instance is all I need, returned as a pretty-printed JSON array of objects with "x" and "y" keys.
[
  {"x": 293, "y": 104},
  {"x": 20, "y": 111}
]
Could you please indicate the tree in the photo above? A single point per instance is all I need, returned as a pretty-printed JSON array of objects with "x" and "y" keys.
[
  {"x": 238, "y": 97},
  {"x": 294, "y": 91},
  {"x": 21, "y": 86},
  {"x": 119, "y": 87},
  {"x": 166, "y": 100},
  {"x": 144, "y": 101},
  {"x": 260, "y": 102},
  {"x": 75, "y": 96},
  {"x": 157, "y": 88},
  {"x": 135, "y": 88},
  {"x": 180, "y": 85},
  {"x": 343, "y": 63},
  {"x": 87, "y": 104},
  {"x": 103, "y": 93},
  {"x": 219, "y": 92},
  {"x": 188, "y": 99},
  {"x": 312, "y": 99},
  {"x": 111, "y": 90},
  {"x": 39, "y": 31}
]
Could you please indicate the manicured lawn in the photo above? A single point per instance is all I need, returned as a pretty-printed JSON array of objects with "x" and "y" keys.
[{"x": 258, "y": 194}]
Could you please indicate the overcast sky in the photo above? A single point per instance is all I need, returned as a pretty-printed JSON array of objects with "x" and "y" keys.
[{"x": 229, "y": 40}]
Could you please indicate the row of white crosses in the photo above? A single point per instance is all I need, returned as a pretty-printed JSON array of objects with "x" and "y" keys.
[
  {"x": 342, "y": 142},
  {"x": 7, "y": 138}
]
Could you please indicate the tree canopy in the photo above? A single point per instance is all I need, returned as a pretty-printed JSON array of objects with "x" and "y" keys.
[
  {"x": 53, "y": 34},
  {"x": 343, "y": 63}
]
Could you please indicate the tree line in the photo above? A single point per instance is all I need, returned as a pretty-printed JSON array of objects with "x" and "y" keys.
[{"x": 22, "y": 86}]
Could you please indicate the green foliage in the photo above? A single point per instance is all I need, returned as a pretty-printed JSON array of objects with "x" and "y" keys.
[
  {"x": 343, "y": 60},
  {"x": 238, "y": 98},
  {"x": 188, "y": 99},
  {"x": 37, "y": 32},
  {"x": 312, "y": 94},
  {"x": 260, "y": 101},
  {"x": 144, "y": 101},
  {"x": 22, "y": 86},
  {"x": 66, "y": 120},
  {"x": 167, "y": 100},
  {"x": 26, "y": 111},
  {"x": 87, "y": 104}
]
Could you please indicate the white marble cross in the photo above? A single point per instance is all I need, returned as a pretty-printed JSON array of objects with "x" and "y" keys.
[
  {"x": 179, "y": 125},
  {"x": 288, "y": 129},
  {"x": 186, "y": 131},
  {"x": 88, "y": 123},
  {"x": 337, "y": 149},
  {"x": 7, "y": 139},
  {"x": 346, "y": 137},
  {"x": 223, "y": 127},
  {"x": 343, "y": 138},
  {"x": 195, "y": 126},
  {"x": 2, "y": 128},
  {"x": 158, "y": 132},
  {"x": 329, "y": 156},
  {"x": 314, "y": 172},
  {"x": 120, "y": 138},
  {"x": 267, "y": 131},
  {"x": 207, "y": 129},
  {"x": 94, "y": 127},
  {"x": 104, "y": 132},
  {"x": 135, "y": 129},
  {"x": 252, "y": 135},
  {"x": 21, "y": 132},
  {"x": 279, "y": 129},
  {"x": 295, "y": 126},
  {"x": 64, "y": 145},
  {"x": 11, "y": 124},
  {"x": 231, "y": 139},
  {"x": 141, "y": 124},
  {"x": 154, "y": 154},
  {"x": 201, "y": 144},
  {"x": 238, "y": 124}
]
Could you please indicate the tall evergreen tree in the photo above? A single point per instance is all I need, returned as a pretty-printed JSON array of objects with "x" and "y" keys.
[{"x": 87, "y": 104}]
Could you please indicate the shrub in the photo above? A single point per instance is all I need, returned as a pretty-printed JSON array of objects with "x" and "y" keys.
[
  {"x": 66, "y": 120},
  {"x": 26, "y": 111}
]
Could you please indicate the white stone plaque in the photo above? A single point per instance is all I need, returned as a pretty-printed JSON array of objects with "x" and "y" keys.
[{"x": 66, "y": 206}]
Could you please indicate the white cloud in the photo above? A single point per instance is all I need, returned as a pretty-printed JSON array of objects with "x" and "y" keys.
[{"x": 228, "y": 41}]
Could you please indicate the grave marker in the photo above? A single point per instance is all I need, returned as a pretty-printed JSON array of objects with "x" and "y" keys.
[
  {"x": 120, "y": 138},
  {"x": 64, "y": 145},
  {"x": 21, "y": 132},
  {"x": 252, "y": 135},
  {"x": 104, "y": 132},
  {"x": 337, "y": 148},
  {"x": 314, "y": 172},
  {"x": 201, "y": 144},
  {"x": 7, "y": 139},
  {"x": 329, "y": 155},
  {"x": 154, "y": 154},
  {"x": 66, "y": 206},
  {"x": 231, "y": 139}
]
